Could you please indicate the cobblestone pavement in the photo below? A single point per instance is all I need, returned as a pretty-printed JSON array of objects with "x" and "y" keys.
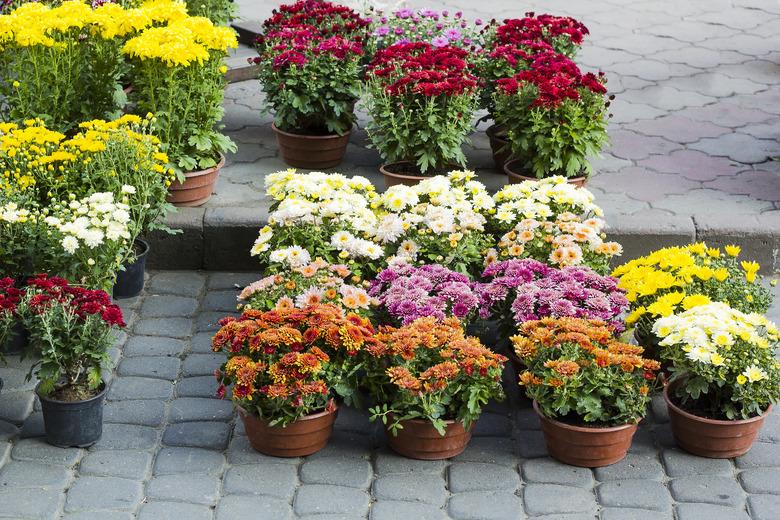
[
  {"x": 170, "y": 450},
  {"x": 696, "y": 118}
]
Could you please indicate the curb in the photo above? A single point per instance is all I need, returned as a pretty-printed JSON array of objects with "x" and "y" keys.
[{"x": 219, "y": 239}]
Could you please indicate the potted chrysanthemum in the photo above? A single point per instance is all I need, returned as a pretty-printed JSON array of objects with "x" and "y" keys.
[
  {"x": 12, "y": 334},
  {"x": 430, "y": 383},
  {"x": 589, "y": 390},
  {"x": 725, "y": 377}
]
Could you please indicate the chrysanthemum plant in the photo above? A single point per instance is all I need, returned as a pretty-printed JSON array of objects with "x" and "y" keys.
[
  {"x": 579, "y": 374},
  {"x": 675, "y": 279},
  {"x": 724, "y": 359},
  {"x": 555, "y": 116},
  {"x": 421, "y": 99},
  {"x": 10, "y": 298},
  {"x": 179, "y": 76},
  {"x": 320, "y": 215},
  {"x": 288, "y": 363},
  {"x": 563, "y": 33},
  {"x": 310, "y": 66},
  {"x": 552, "y": 221},
  {"x": 429, "y": 370},
  {"x": 73, "y": 329},
  {"x": 317, "y": 282}
]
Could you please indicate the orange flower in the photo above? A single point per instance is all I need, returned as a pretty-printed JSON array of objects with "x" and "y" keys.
[{"x": 563, "y": 367}]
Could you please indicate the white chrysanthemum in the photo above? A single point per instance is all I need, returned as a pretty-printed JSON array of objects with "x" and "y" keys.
[
  {"x": 127, "y": 189},
  {"x": 70, "y": 244},
  {"x": 390, "y": 229}
]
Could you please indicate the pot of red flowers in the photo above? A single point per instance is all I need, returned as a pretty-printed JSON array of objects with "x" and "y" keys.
[
  {"x": 555, "y": 118},
  {"x": 285, "y": 369},
  {"x": 725, "y": 378},
  {"x": 589, "y": 390},
  {"x": 563, "y": 33},
  {"x": 72, "y": 330},
  {"x": 430, "y": 383},
  {"x": 421, "y": 99},
  {"x": 13, "y": 335},
  {"x": 311, "y": 71}
]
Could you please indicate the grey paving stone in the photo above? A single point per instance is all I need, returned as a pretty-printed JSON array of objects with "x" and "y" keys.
[
  {"x": 209, "y": 321},
  {"x": 634, "y": 466},
  {"x": 679, "y": 463},
  {"x": 127, "y": 387},
  {"x": 723, "y": 491},
  {"x": 157, "y": 510},
  {"x": 350, "y": 472},
  {"x": 16, "y": 406},
  {"x": 201, "y": 343},
  {"x": 221, "y": 301},
  {"x": 38, "y": 450},
  {"x": 168, "y": 327},
  {"x": 232, "y": 507},
  {"x": 761, "y": 480},
  {"x": 201, "y": 364},
  {"x": 353, "y": 420},
  {"x": 31, "y": 503},
  {"x": 762, "y": 454},
  {"x": 129, "y": 464},
  {"x": 223, "y": 281},
  {"x": 549, "y": 471},
  {"x": 153, "y": 346},
  {"x": 213, "y": 435},
  {"x": 197, "y": 386},
  {"x": 492, "y": 450},
  {"x": 638, "y": 494},
  {"x": 709, "y": 512},
  {"x": 531, "y": 444},
  {"x": 240, "y": 452},
  {"x": 104, "y": 493},
  {"x": 267, "y": 478},
  {"x": 392, "y": 510},
  {"x": 165, "y": 306},
  {"x": 319, "y": 499},
  {"x": 185, "y": 283},
  {"x": 103, "y": 515},
  {"x": 8, "y": 431},
  {"x": 763, "y": 507},
  {"x": 545, "y": 499},
  {"x": 143, "y": 412},
  {"x": 415, "y": 487},
  {"x": 19, "y": 474},
  {"x": 480, "y": 505},
  {"x": 188, "y": 460},
  {"x": 159, "y": 367},
  {"x": 623, "y": 513},
  {"x": 191, "y": 488},
  {"x": 127, "y": 437},
  {"x": 346, "y": 445},
  {"x": 482, "y": 477},
  {"x": 493, "y": 425},
  {"x": 188, "y": 409},
  {"x": 389, "y": 463}
]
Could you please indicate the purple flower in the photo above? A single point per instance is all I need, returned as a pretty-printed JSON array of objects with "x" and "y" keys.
[
  {"x": 430, "y": 13},
  {"x": 404, "y": 13},
  {"x": 399, "y": 30},
  {"x": 478, "y": 22},
  {"x": 382, "y": 31},
  {"x": 440, "y": 41},
  {"x": 452, "y": 34}
]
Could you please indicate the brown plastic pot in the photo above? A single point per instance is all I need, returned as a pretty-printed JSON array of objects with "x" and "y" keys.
[
  {"x": 197, "y": 187},
  {"x": 586, "y": 447},
  {"x": 515, "y": 170},
  {"x": 711, "y": 438},
  {"x": 392, "y": 178},
  {"x": 499, "y": 144},
  {"x": 312, "y": 152},
  {"x": 418, "y": 439},
  {"x": 298, "y": 439}
]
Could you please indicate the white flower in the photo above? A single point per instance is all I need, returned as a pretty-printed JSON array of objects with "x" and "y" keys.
[
  {"x": 297, "y": 256},
  {"x": 390, "y": 229},
  {"x": 311, "y": 296},
  {"x": 70, "y": 244},
  {"x": 128, "y": 189},
  {"x": 341, "y": 239},
  {"x": 278, "y": 256},
  {"x": 754, "y": 374}
]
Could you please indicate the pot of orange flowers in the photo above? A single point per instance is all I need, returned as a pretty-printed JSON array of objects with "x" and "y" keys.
[
  {"x": 286, "y": 368},
  {"x": 589, "y": 390},
  {"x": 430, "y": 383}
]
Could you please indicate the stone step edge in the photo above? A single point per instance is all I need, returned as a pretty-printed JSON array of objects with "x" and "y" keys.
[{"x": 219, "y": 239}]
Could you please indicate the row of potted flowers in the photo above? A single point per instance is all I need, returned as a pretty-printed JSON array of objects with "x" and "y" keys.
[
  {"x": 426, "y": 344},
  {"x": 424, "y": 74}
]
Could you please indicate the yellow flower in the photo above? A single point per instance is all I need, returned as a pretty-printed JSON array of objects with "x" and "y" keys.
[
  {"x": 16, "y": 84},
  {"x": 733, "y": 250},
  {"x": 694, "y": 300},
  {"x": 754, "y": 374},
  {"x": 751, "y": 268},
  {"x": 721, "y": 274},
  {"x": 741, "y": 380},
  {"x": 713, "y": 252}
]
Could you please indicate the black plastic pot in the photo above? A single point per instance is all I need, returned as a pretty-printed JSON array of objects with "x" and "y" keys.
[
  {"x": 18, "y": 340},
  {"x": 130, "y": 282},
  {"x": 75, "y": 423}
]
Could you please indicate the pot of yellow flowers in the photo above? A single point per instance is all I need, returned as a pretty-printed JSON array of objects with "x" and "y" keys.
[{"x": 725, "y": 378}]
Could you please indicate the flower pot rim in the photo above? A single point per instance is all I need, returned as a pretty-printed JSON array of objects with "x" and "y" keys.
[
  {"x": 93, "y": 398},
  {"x": 707, "y": 420},
  {"x": 495, "y": 130},
  {"x": 209, "y": 170},
  {"x": 144, "y": 246},
  {"x": 383, "y": 169},
  {"x": 309, "y": 417},
  {"x": 314, "y": 137},
  {"x": 584, "y": 429},
  {"x": 510, "y": 172}
]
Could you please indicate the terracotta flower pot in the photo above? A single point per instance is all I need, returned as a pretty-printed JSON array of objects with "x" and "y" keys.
[
  {"x": 585, "y": 447},
  {"x": 499, "y": 144},
  {"x": 298, "y": 439},
  {"x": 396, "y": 173},
  {"x": 197, "y": 188},
  {"x": 514, "y": 171},
  {"x": 312, "y": 152},
  {"x": 711, "y": 438},
  {"x": 418, "y": 439}
]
